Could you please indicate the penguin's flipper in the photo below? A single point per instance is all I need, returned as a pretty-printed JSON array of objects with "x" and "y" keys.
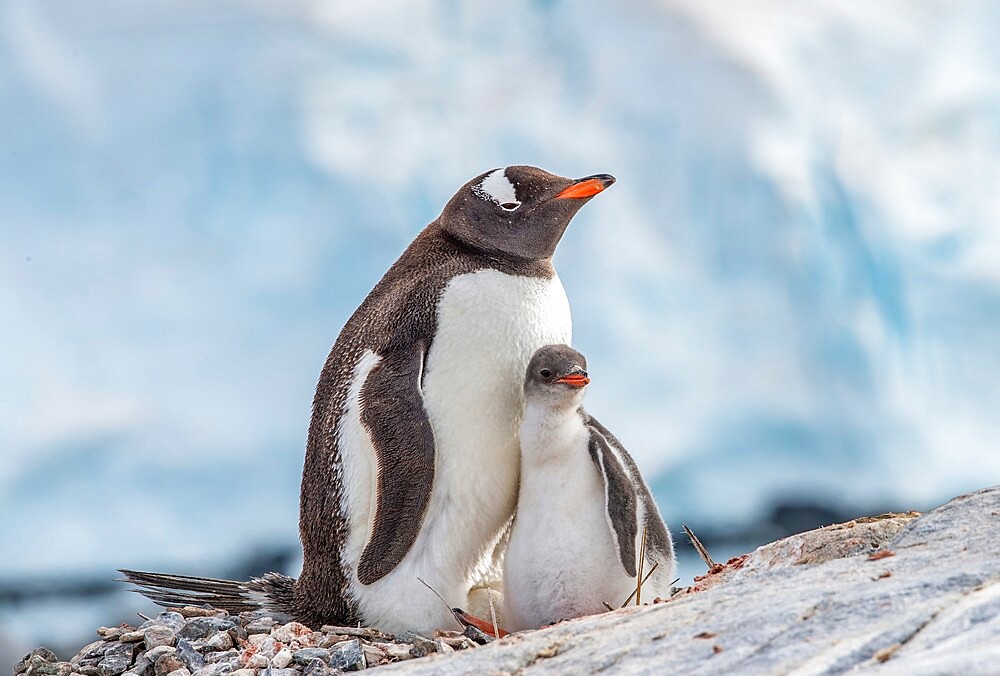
[
  {"x": 392, "y": 410},
  {"x": 620, "y": 499},
  {"x": 659, "y": 545}
]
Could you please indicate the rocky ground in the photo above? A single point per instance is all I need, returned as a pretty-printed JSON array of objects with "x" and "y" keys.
[
  {"x": 899, "y": 594},
  {"x": 204, "y": 642}
]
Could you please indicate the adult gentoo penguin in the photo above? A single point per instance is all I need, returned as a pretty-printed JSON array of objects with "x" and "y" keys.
[
  {"x": 411, "y": 468},
  {"x": 582, "y": 507}
]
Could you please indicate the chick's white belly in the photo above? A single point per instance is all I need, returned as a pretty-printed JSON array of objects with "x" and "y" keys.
[{"x": 561, "y": 560}]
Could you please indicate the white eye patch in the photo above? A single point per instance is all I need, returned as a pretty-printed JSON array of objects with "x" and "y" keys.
[{"x": 497, "y": 188}]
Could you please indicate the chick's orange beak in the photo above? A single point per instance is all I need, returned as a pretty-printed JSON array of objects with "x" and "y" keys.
[
  {"x": 575, "y": 380},
  {"x": 587, "y": 187}
]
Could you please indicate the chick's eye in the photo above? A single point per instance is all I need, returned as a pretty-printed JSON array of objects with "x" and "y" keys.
[
  {"x": 510, "y": 206},
  {"x": 546, "y": 373}
]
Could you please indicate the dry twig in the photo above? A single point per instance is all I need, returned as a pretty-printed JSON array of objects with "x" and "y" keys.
[
  {"x": 881, "y": 554},
  {"x": 630, "y": 596},
  {"x": 642, "y": 564},
  {"x": 434, "y": 591},
  {"x": 467, "y": 619},
  {"x": 700, "y": 548},
  {"x": 493, "y": 613}
]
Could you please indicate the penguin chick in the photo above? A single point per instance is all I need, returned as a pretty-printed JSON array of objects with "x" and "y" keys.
[{"x": 581, "y": 510}]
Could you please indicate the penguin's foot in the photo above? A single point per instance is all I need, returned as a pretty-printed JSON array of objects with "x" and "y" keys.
[{"x": 485, "y": 626}]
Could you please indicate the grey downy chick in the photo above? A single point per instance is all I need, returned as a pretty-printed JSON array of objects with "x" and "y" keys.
[{"x": 581, "y": 510}]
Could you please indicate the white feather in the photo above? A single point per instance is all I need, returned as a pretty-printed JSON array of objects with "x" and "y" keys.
[
  {"x": 489, "y": 325},
  {"x": 562, "y": 560},
  {"x": 497, "y": 188},
  {"x": 358, "y": 469}
]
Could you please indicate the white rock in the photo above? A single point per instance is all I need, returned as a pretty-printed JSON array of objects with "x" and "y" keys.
[
  {"x": 158, "y": 635},
  {"x": 931, "y": 607},
  {"x": 257, "y": 662},
  {"x": 287, "y": 633},
  {"x": 219, "y": 641},
  {"x": 395, "y": 651},
  {"x": 155, "y": 653},
  {"x": 282, "y": 658}
]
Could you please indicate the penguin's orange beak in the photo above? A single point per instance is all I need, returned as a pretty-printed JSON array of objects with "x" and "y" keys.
[
  {"x": 587, "y": 187},
  {"x": 575, "y": 379}
]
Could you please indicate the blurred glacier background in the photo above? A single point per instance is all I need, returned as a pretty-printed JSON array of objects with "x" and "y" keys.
[{"x": 790, "y": 299}]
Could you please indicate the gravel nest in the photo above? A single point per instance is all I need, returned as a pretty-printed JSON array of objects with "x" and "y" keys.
[{"x": 205, "y": 642}]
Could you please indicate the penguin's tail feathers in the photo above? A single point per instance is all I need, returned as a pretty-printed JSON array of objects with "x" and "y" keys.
[{"x": 273, "y": 593}]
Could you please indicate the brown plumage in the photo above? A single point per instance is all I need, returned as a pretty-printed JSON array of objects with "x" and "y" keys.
[{"x": 397, "y": 321}]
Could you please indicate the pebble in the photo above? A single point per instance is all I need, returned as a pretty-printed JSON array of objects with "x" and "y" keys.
[
  {"x": 143, "y": 667},
  {"x": 374, "y": 655},
  {"x": 90, "y": 654},
  {"x": 282, "y": 658},
  {"x": 257, "y": 662},
  {"x": 112, "y": 633},
  {"x": 348, "y": 656},
  {"x": 480, "y": 637},
  {"x": 260, "y": 625},
  {"x": 220, "y": 640},
  {"x": 117, "y": 659},
  {"x": 330, "y": 640},
  {"x": 167, "y": 618},
  {"x": 194, "y": 641},
  {"x": 195, "y": 611},
  {"x": 36, "y": 657},
  {"x": 167, "y": 664},
  {"x": 268, "y": 647},
  {"x": 271, "y": 671},
  {"x": 200, "y": 627},
  {"x": 455, "y": 640},
  {"x": 223, "y": 656},
  {"x": 317, "y": 667},
  {"x": 213, "y": 670},
  {"x": 158, "y": 635},
  {"x": 287, "y": 633},
  {"x": 155, "y": 653},
  {"x": 396, "y": 651},
  {"x": 191, "y": 658},
  {"x": 421, "y": 646},
  {"x": 257, "y": 639},
  {"x": 42, "y": 662},
  {"x": 238, "y": 633},
  {"x": 360, "y": 632},
  {"x": 307, "y": 654}
]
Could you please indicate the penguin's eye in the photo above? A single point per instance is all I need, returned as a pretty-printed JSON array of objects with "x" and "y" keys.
[
  {"x": 510, "y": 206},
  {"x": 546, "y": 373}
]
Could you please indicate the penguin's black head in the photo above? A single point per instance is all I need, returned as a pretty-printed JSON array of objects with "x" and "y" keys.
[
  {"x": 556, "y": 373},
  {"x": 518, "y": 211}
]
